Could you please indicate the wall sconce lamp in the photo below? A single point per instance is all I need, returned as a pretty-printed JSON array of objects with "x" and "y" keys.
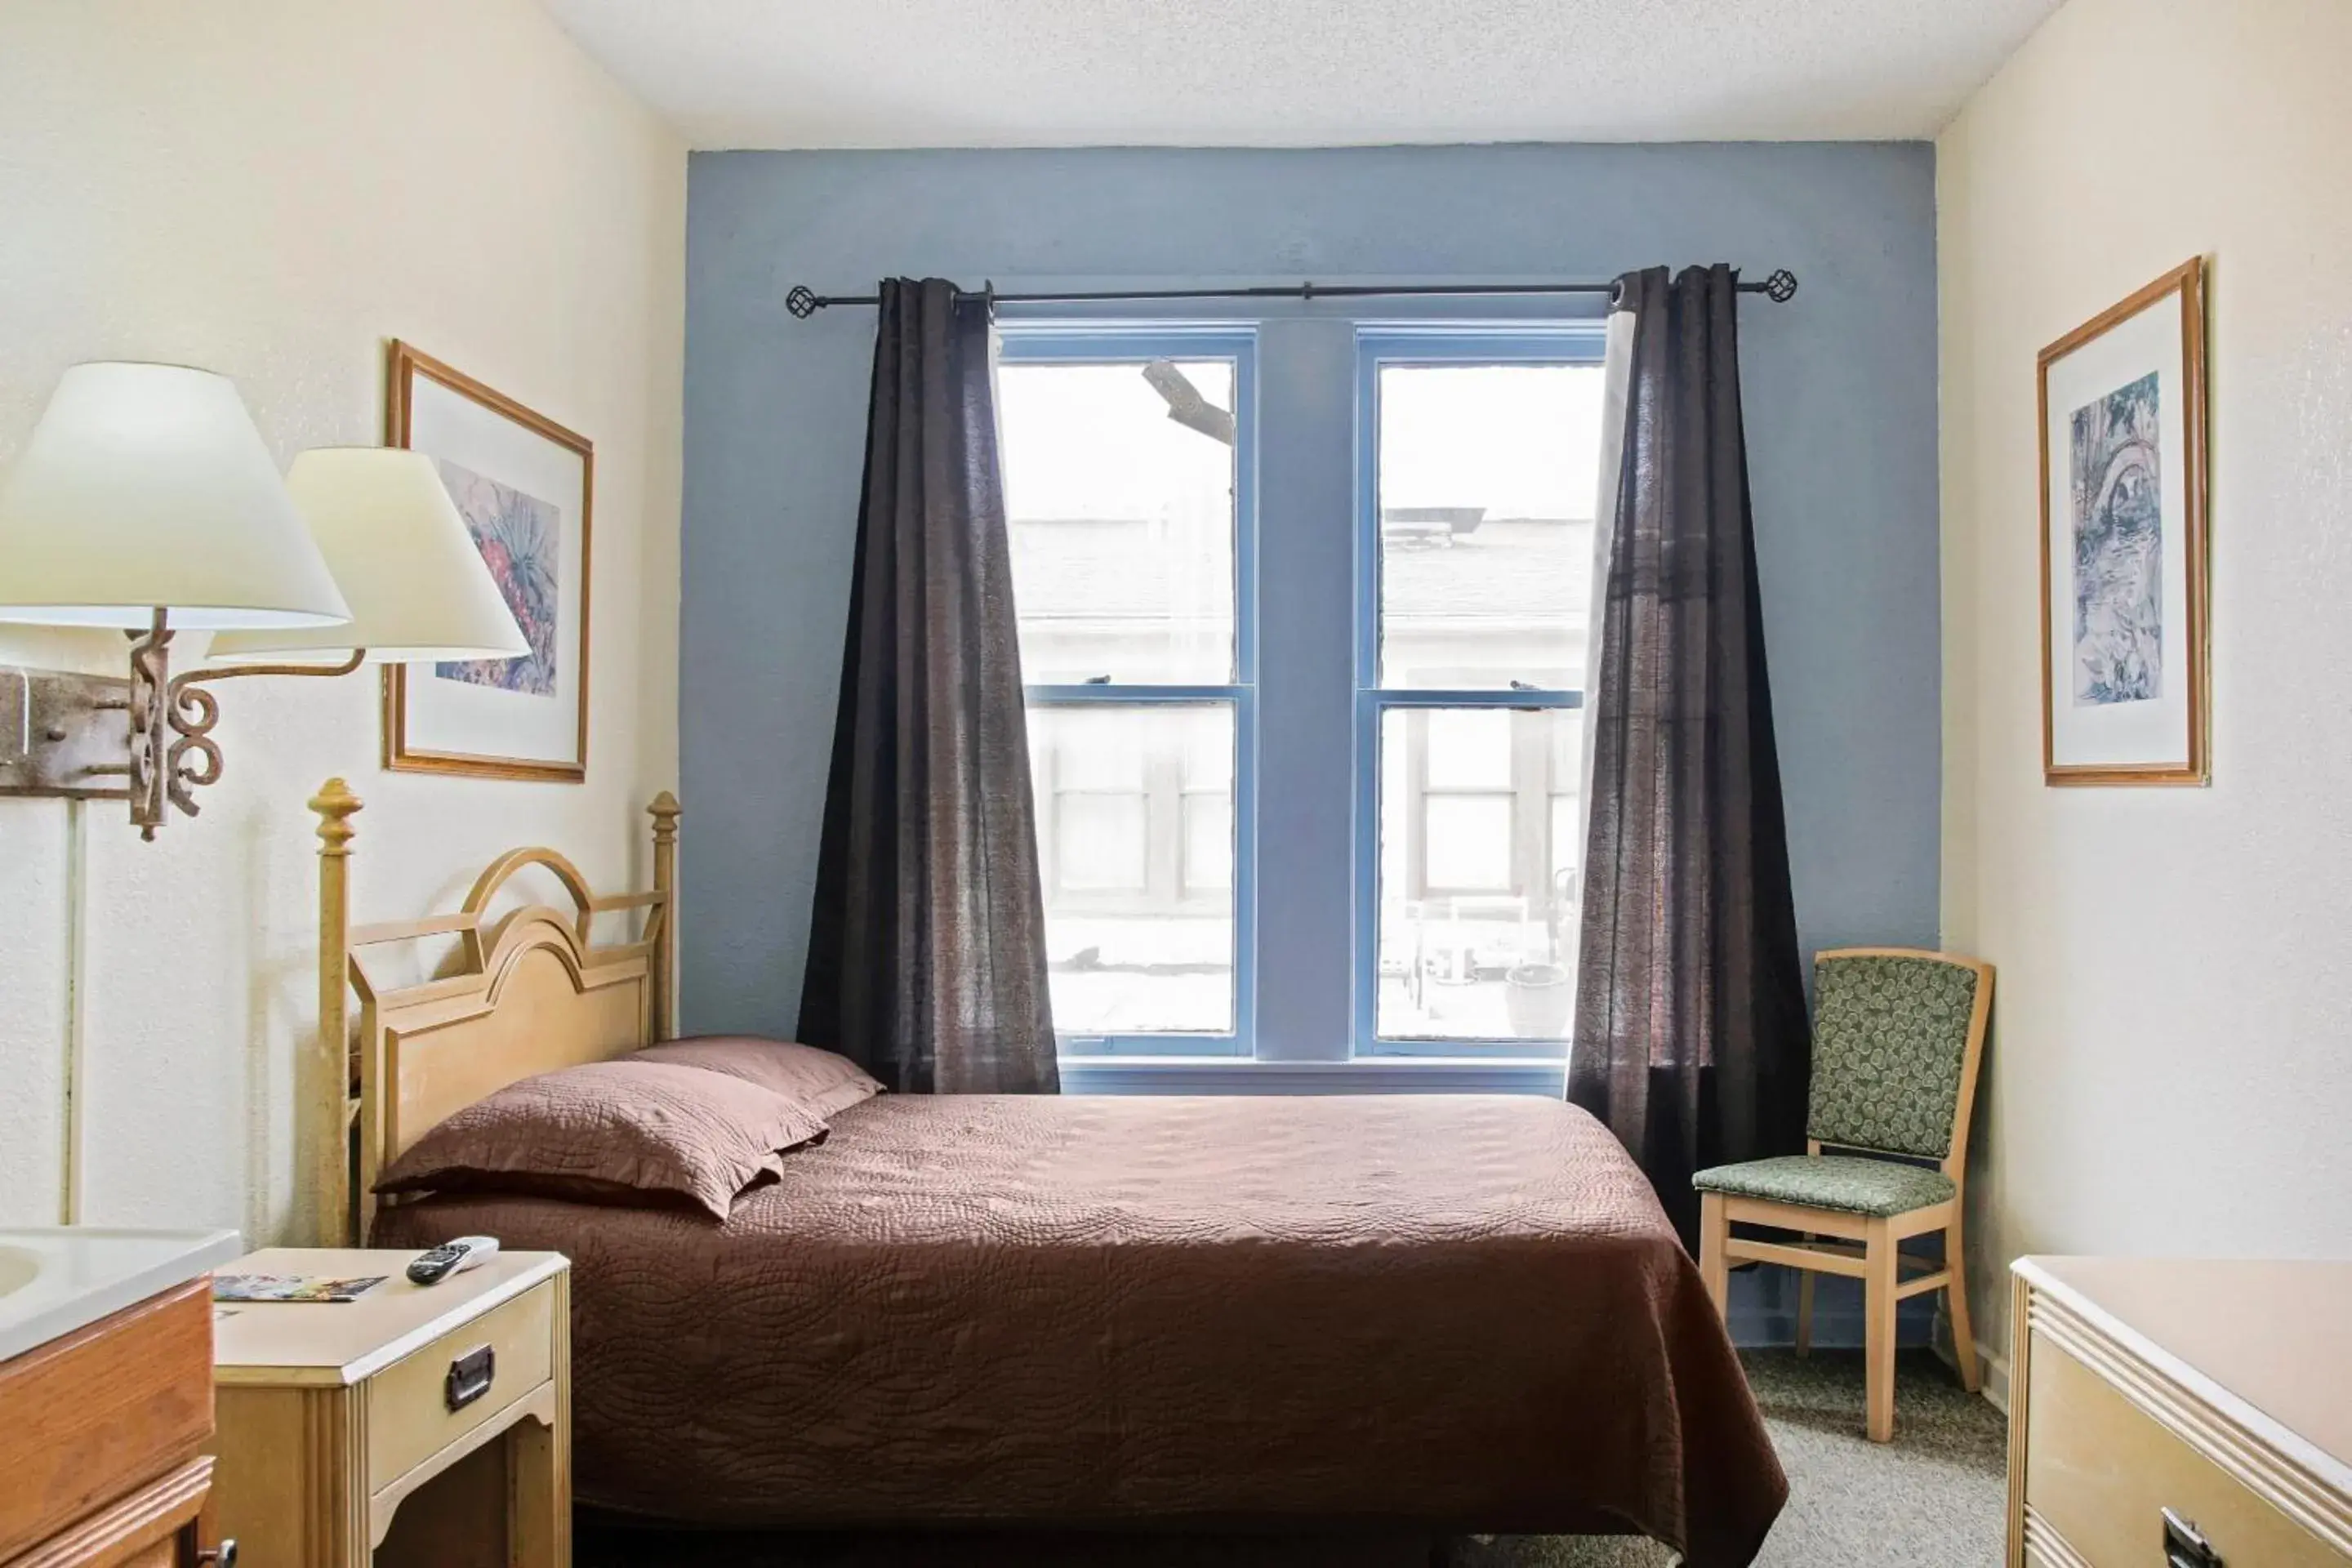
[{"x": 146, "y": 501}]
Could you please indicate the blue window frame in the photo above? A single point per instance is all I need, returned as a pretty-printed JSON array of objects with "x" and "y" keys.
[
  {"x": 1173, "y": 839},
  {"x": 1394, "y": 725}
]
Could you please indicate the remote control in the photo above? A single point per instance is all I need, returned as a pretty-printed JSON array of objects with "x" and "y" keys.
[{"x": 432, "y": 1268}]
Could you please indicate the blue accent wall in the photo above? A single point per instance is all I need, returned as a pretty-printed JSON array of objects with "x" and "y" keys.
[{"x": 1840, "y": 389}]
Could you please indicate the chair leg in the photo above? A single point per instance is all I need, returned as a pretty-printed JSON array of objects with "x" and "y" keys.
[
  {"x": 1714, "y": 1249},
  {"x": 1878, "y": 1329},
  {"x": 1964, "y": 1339},
  {"x": 1805, "y": 1308}
]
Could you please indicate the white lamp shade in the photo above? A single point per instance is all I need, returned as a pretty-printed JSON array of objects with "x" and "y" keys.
[
  {"x": 418, "y": 587},
  {"x": 145, "y": 487}
]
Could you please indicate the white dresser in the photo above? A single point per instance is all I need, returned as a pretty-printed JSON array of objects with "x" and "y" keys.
[{"x": 2169, "y": 1413}]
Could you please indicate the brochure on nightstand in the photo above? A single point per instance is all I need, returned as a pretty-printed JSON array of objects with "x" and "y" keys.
[{"x": 291, "y": 1288}]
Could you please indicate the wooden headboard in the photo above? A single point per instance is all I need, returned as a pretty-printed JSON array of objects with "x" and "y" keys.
[{"x": 527, "y": 991}]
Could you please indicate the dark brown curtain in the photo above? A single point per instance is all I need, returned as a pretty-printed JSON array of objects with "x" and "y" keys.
[
  {"x": 1691, "y": 1040},
  {"x": 927, "y": 952}
]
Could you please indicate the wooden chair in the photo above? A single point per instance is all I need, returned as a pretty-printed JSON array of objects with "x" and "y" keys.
[{"x": 1897, "y": 1036}]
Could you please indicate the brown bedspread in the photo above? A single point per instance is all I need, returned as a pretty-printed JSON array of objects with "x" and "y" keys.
[{"x": 1449, "y": 1311}]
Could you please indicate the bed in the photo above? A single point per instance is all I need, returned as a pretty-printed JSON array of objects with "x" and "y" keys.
[{"x": 1442, "y": 1312}]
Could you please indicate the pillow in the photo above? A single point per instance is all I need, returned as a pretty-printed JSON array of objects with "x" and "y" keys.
[
  {"x": 818, "y": 1080},
  {"x": 620, "y": 1132}
]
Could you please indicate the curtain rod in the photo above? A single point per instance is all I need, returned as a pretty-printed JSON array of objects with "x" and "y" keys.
[{"x": 804, "y": 302}]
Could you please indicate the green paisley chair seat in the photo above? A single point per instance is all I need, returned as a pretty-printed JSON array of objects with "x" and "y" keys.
[{"x": 1840, "y": 1182}]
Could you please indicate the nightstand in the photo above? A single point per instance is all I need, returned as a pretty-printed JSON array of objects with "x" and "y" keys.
[{"x": 417, "y": 1423}]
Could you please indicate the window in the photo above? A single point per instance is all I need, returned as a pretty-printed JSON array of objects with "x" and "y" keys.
[
  {"x": 1126, "y": 487},
  {"x": 1303, "y": 608},
  {"x": 1475, "y": 582}
]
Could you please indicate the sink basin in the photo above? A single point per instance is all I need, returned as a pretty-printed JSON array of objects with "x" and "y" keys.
[{"x": 56, "y": 1280}]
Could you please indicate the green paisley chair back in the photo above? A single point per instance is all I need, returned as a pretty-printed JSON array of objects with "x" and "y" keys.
[{"x": 1890, "y": 1041}]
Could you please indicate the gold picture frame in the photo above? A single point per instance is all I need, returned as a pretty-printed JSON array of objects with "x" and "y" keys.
[
  {"x": 2126, "y": 482},
  {"x": 565, "y": 660}
]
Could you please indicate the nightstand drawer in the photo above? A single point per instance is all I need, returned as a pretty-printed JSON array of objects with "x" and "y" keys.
[
  {"x": 2100, "y": 1471},
  {"x": 410, "y": 1412}
]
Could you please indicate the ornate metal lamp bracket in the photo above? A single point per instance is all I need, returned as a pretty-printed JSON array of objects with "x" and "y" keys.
[{"x": 172, "y": 753}]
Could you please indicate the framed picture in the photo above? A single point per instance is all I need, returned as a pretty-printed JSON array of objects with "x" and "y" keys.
[
  {"x": 524, "y": 485},
  {"x": 2125, "y": 691}
]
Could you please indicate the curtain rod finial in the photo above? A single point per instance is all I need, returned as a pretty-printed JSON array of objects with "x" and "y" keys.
[
  {"x": 802, "y": 303},
  {"x": 1782, "y": 287}
]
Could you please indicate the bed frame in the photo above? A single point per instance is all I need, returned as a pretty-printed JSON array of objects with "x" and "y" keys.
[{"x": 528, "y": 991}]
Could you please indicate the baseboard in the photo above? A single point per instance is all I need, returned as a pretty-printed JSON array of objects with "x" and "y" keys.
[
  {"x": 1993, "y": 1372},
  {"x": 1996, "y": 1378}
]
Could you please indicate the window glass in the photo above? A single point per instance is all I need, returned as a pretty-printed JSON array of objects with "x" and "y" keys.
[
  {"x": 1487, "y": 476},
  {"x": 1130, "y": 470},
  {"x": 1208, "y": 843},
  {"x": 1122, "y": 520},
  {"x": 1467, "y": 842},
  {"x": 1469, "y": 748},
  {"x": 1567, "y": 847},
  {"x": 1096, "y": 751},
  {"x": 1477, "y": 906},
  {"x": 1102, "y": 842},
  {"x": 1136, "y": 855},
  {"x": 1120, "y": 480}
]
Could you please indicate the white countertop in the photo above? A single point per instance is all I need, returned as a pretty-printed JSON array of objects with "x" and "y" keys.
[{"x": 58, "y": 1279}]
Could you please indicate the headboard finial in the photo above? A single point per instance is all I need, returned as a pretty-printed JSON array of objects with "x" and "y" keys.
[
  {"x": 665, "y": 811},
  {"x": 334, "y": 803},
  {"x": 330, "y": 1063}
]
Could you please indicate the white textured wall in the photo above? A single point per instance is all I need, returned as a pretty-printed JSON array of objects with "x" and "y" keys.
[
  {"x": 2172, "y": 1062},
  {"x": 271, "y": 189}
]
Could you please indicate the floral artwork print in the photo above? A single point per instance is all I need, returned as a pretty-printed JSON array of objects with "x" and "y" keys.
[
  {"x": 519, "y": 537},
  {"x": 2118, "y": 519}
]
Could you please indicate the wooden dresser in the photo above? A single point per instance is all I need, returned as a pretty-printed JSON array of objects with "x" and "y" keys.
[
  {"x": 2167, "y": 1413},
  {"x": 102, "y": 1434}
]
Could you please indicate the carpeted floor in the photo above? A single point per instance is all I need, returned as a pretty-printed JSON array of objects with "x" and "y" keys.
[{"x": 1931, "y": 1499}]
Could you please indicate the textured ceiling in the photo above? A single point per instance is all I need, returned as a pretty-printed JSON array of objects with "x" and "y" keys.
[{"x": 986, "y": 73}]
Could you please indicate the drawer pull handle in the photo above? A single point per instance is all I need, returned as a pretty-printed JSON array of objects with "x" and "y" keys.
[
  {"x": 2185, "y": 1545},
  {"x": 469, "y": 1377}
]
